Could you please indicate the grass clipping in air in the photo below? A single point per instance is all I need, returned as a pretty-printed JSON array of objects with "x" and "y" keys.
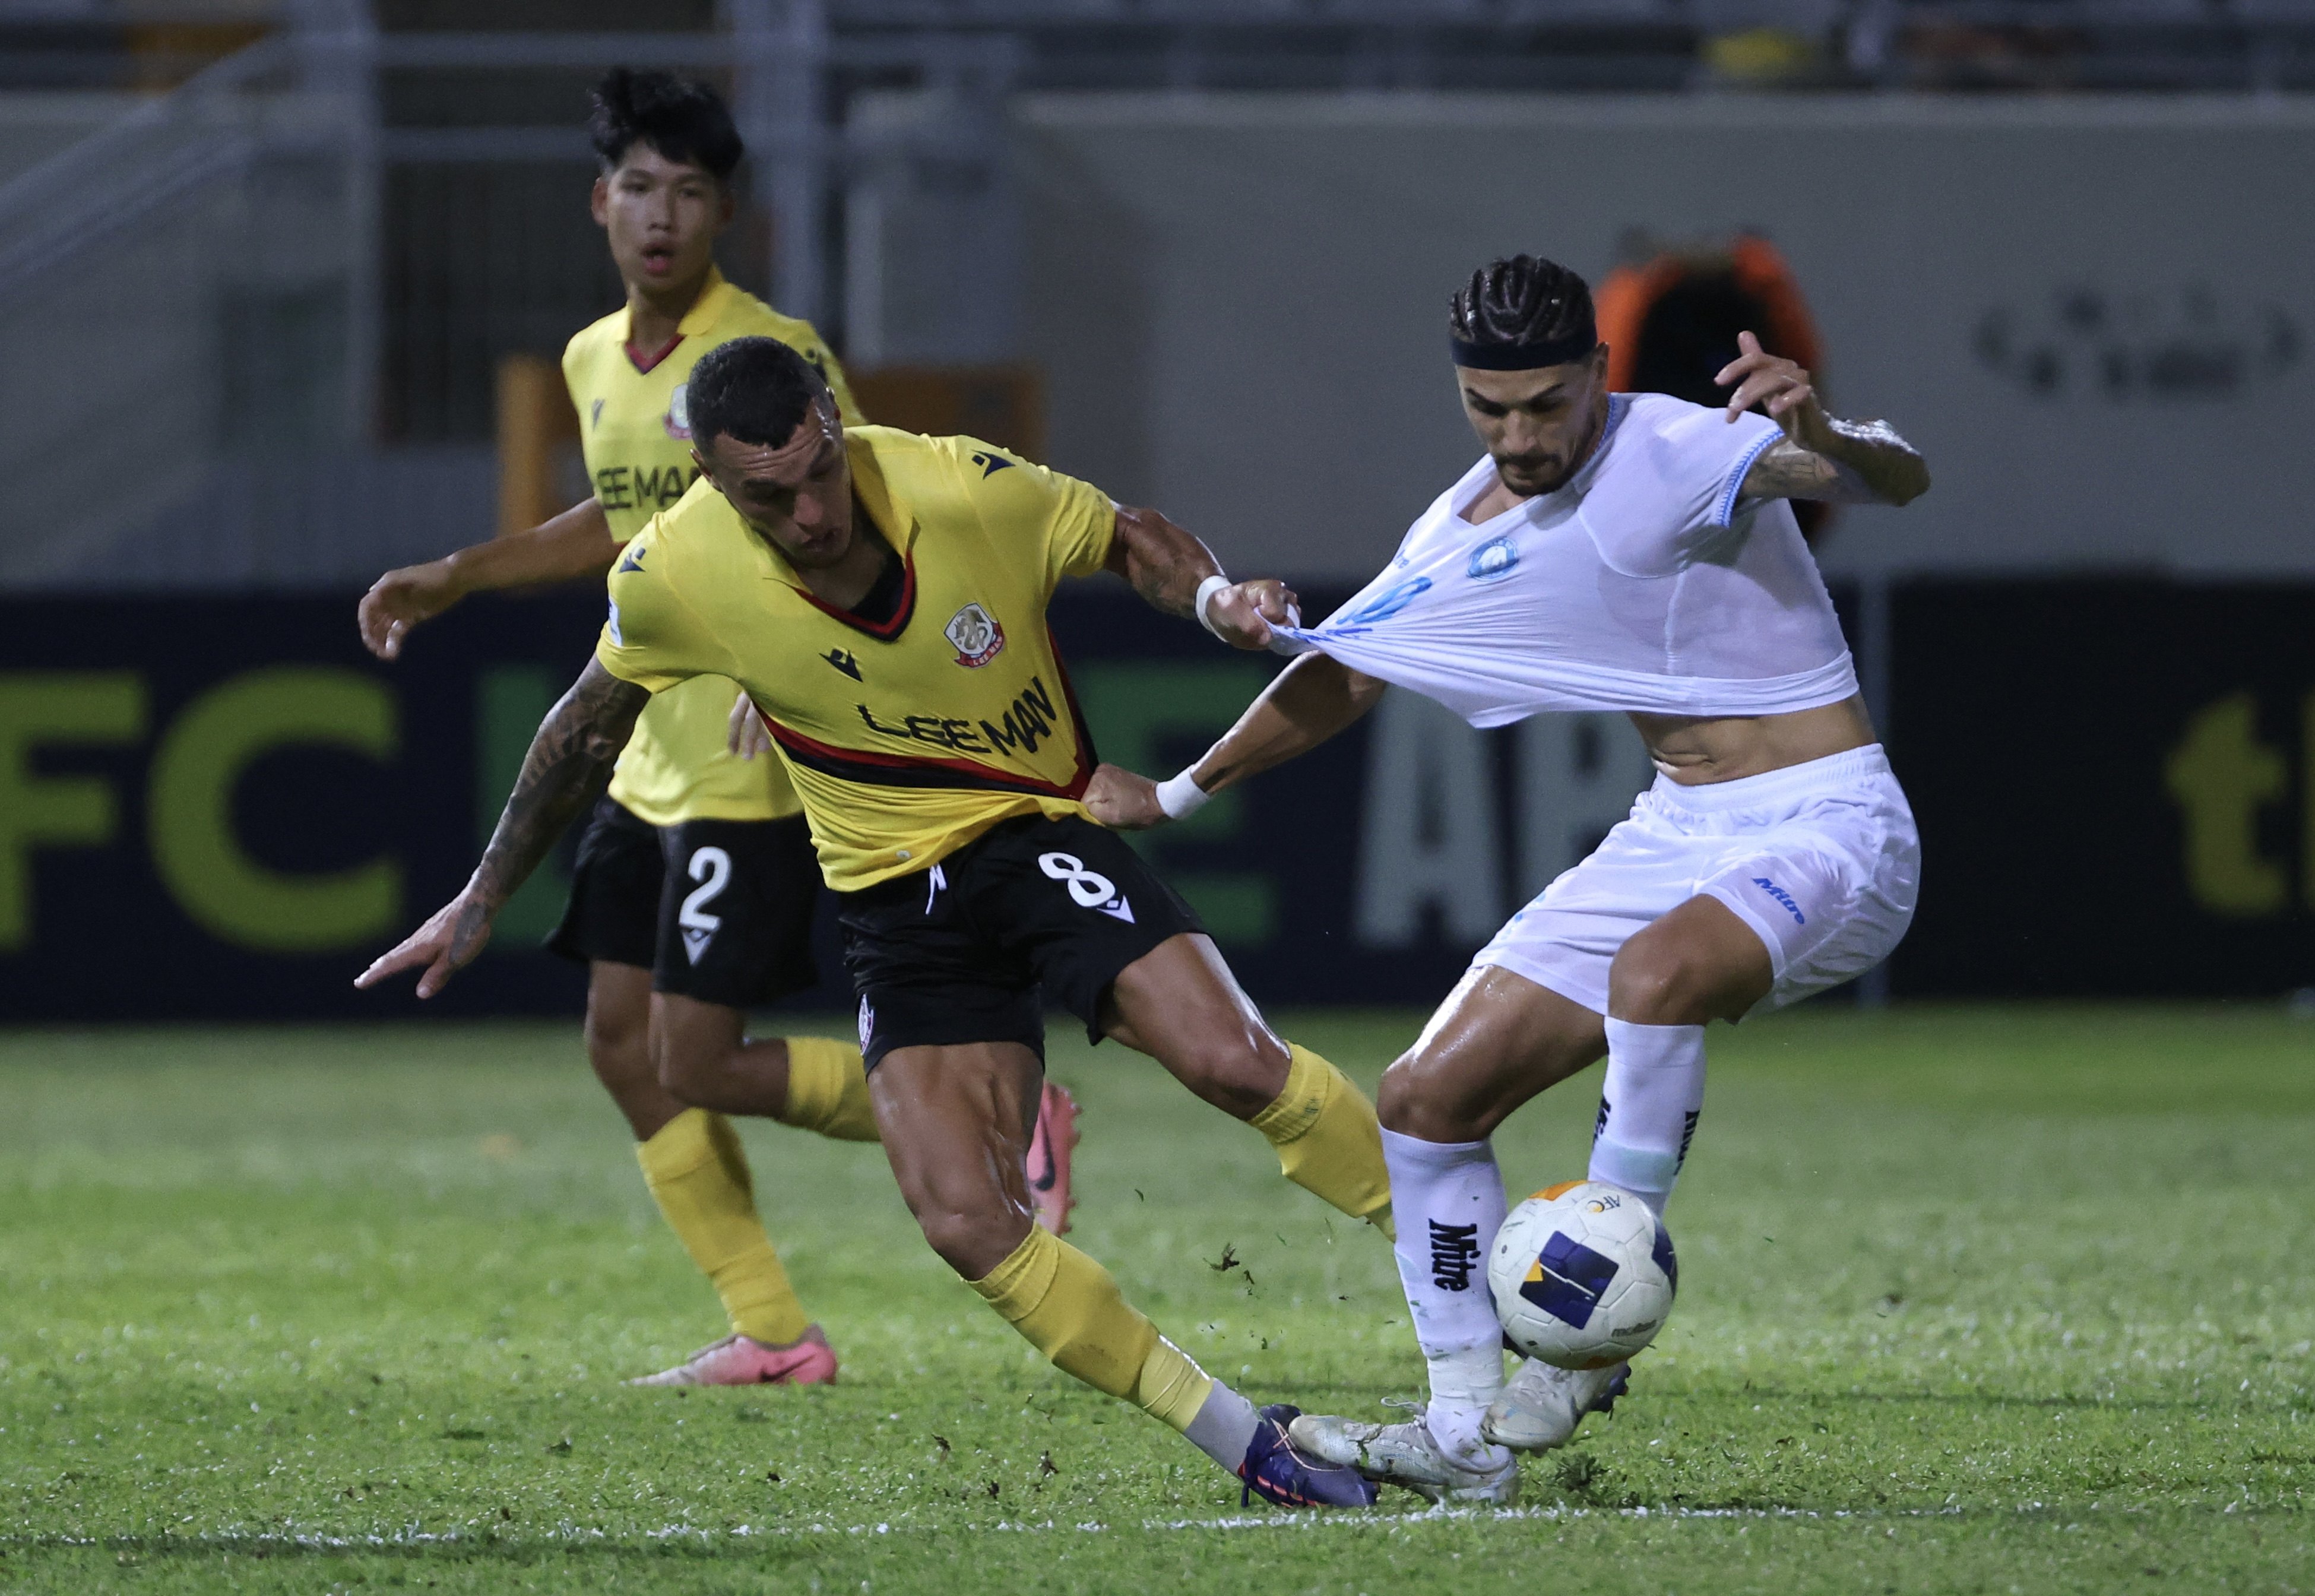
[{"x": 1970, "y": 1300}]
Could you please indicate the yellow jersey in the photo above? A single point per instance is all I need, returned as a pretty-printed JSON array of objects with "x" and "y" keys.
[
  {"x": 905, "y": 739},
  {"x": 638, "y": 449}
]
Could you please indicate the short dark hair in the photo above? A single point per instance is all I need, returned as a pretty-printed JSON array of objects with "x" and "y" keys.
[
  {"x": 1523, "y": 300},
  {"x": 681, "y": 120},
  {"x": 757, "y": 390}
]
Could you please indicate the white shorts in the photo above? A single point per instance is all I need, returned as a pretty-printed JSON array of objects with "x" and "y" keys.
[{"x": 1821, "y": 860}]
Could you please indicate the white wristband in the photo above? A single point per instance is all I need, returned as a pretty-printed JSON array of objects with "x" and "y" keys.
[
  {"x": 1206, "y": 591},
  {"x": 1181, "y": 796}
]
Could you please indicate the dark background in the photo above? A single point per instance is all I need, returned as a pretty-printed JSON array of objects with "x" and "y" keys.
[{"x": 2033, "y": 724}]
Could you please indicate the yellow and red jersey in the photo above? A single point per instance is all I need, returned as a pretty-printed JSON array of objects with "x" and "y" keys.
[
  {"x": 907, "y": 739},
  {"x": 633, "y": 429}
]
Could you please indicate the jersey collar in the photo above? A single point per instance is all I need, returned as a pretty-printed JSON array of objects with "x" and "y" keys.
[
  {"x": 705, "y": 311},
  {"x": 893, "y": 516}
]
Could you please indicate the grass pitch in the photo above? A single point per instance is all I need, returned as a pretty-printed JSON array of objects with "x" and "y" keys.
[{"x": 1999, "y": 1300}]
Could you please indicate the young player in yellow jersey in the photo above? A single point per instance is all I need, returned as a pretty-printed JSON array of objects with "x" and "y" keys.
[
  {"x": 882, "y": 598},
  {"x": 693, "y": 897}
]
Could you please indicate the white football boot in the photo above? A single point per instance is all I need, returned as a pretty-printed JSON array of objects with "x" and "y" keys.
[
  {"x": 1404, "y": 1454},
  {"x": 1541, "y": 1406}
]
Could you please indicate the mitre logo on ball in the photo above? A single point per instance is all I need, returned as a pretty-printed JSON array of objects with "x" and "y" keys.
[{"x": 979, "y": 638}]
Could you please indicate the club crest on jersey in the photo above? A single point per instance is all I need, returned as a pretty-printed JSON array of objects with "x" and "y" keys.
[
  {"x": 678, "y": 419},
  {"x": 1493, "y": 560},
  {"x": 979, "y": 638}
]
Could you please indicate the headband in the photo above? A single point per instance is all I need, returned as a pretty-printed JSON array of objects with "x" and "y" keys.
[{"x": 1524, "y": 357}]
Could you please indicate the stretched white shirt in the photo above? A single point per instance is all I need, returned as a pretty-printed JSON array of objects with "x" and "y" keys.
[{"x": 1644, "y": 582}]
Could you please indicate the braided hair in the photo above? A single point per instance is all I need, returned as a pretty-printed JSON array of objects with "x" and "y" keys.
[{"x": 1524, "y": 301}]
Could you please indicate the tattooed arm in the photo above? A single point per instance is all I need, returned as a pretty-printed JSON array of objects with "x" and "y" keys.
[
  {"x": 1818, "y": 458},
  {"x": 569, "y": 761},
  {"x": 1167, "y": 566}
]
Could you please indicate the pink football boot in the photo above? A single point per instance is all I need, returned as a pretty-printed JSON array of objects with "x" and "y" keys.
[
  {"x": 1049, "y": 1145},
  {"x": 742, "y": 1360}
]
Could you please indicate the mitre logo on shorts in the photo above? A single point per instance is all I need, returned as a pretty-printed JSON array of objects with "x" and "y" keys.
[
  {"x": 979, "y": 638},
  {"x": 1781, "y": 896},
  {"x": 678, "y": 419},
  {"x": 867, "y": 1023}
]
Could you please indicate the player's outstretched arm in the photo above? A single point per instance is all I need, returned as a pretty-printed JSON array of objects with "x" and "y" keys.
[
  {"x": 1168, "y": 567},
  {"x": 1311, "y": 700},
  {"x": 1819, "y": 456},
  {"x": 569, "y": 761},
  {"x": 576, "y": 544}
]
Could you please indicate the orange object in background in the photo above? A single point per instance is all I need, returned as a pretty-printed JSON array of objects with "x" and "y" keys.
[
  {"x": 163, "y": 54},
  {"x": 1670, "y": 322},
  {"x": 1000, "y": 404},
  {"x": 536, "y": 430},
  {"x": 1751, "y": 267}
]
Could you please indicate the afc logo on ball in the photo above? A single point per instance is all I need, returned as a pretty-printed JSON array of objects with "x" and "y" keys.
[{"x": 979, "y": 638}]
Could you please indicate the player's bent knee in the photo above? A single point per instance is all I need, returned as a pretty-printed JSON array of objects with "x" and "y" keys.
[
  {"x": 972, "y": 1238},
  {"x": 617, "y": 1047},
  {"x": 682, "y": 1077},
  {"x": 1656, "y": 981},
  {"x": 1400, "y": 1095},
  {"x": 1238, "y": 1073},
  {"x": 1416, "y": 1098}
]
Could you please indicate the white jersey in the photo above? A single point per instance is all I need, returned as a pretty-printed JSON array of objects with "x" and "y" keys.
[{"x": 1643, "y": 583}]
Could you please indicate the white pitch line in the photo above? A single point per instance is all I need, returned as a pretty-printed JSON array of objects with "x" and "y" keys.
[{"x": 570, "y": 1534}]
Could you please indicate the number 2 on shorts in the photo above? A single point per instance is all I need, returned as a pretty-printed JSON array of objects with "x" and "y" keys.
[{"x": 711, "y": 867}]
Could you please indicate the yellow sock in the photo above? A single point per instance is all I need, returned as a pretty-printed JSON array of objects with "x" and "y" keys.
[
  {"x": 698, "y": 1173},
  {"x": 1328, "y": 1139},
  {"x": 827, "y": 1090},
  {"x": 1070, "y": 1309}
]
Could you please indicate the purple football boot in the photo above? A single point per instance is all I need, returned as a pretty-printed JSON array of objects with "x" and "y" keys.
[{"x": 1278, "y": 1471}]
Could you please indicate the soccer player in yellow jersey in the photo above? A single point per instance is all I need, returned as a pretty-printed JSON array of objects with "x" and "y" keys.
[
  {"x": 882, "y": 598},
  {"x": 694, "y": 892}
]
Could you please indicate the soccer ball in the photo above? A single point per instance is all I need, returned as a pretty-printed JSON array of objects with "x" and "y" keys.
[{"x": 1583, "y": 1275}]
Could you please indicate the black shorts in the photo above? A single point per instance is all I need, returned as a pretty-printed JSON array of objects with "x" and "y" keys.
[
  {"x": 972, "y": 950},
  {"x": 717, "y": 910}
]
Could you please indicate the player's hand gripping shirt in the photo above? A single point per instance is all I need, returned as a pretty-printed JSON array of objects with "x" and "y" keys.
[
  {"x": 632, "y": 430},
  {"x": 906, "y": 740},
  {"x": 1644, "y": 583}
]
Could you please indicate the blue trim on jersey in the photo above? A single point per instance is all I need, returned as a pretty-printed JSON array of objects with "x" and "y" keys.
[{"x": 1727, "y": 512}]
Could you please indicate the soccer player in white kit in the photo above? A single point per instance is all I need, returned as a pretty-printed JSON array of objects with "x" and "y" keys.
[{"x": 1627, "y": 552}]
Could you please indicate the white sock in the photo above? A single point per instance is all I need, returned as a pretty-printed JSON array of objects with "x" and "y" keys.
[
  {"x": 1224, "y": 1427},
  {"x": 1449, "y": 1201},
  {"x": 1648, "y": 1106}
]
